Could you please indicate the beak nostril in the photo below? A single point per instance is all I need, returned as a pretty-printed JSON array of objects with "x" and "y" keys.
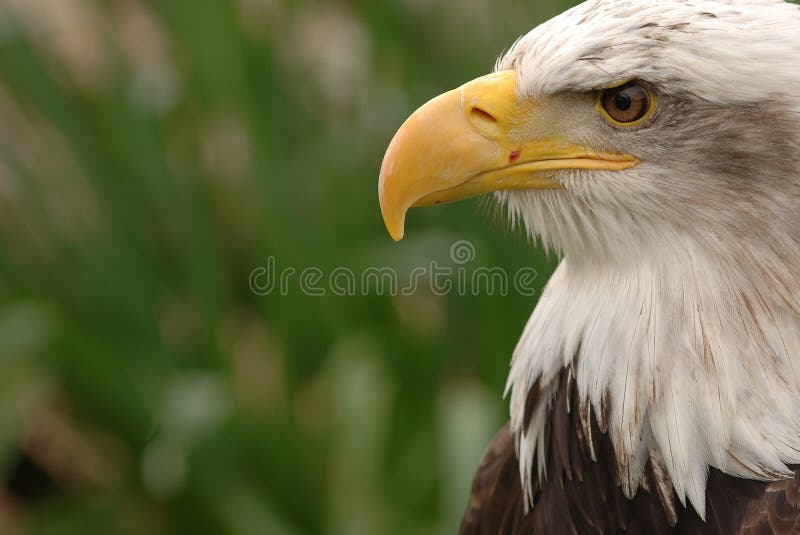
[
  {"x": 482, "y": 115},
  {"x": 484, "y": 121}
]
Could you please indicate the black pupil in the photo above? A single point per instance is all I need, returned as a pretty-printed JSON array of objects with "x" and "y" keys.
[{"x": 623, "y": 101}]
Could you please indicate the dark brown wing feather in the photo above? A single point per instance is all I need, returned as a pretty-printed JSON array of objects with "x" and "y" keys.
[
  {"x": 777, "y": 510},
  {"x": 496, "y": 504},
  {"x": 581, "y": 496}
]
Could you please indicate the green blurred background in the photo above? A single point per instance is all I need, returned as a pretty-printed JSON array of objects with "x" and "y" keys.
[{"x": 153, "y": 153}]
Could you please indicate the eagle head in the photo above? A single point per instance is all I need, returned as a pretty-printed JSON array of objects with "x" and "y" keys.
[{"x": 655, "y": 146}]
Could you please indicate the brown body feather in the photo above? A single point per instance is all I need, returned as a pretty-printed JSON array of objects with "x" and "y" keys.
[{"x": 581, "y": 496}]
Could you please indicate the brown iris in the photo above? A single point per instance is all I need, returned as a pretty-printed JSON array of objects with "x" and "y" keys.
[{"x": 626, "y": 104}]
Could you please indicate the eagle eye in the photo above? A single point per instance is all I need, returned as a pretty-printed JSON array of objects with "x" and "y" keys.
[{"x": 626, "y": 105}]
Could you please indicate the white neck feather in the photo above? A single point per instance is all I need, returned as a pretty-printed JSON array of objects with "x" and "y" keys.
[{"x": 696, "y": 349}]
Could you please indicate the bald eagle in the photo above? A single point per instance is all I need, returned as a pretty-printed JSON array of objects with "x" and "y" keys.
[{"x": 655, "y": 147}]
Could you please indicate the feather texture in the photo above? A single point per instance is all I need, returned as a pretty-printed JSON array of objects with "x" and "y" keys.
[{"x": 583, "y": 496}]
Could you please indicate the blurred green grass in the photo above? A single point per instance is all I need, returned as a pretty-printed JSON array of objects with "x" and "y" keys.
[{"x": 152, "y": 154}]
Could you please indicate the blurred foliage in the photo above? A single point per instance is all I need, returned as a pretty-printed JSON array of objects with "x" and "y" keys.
[{"x": 152, "y": 154}]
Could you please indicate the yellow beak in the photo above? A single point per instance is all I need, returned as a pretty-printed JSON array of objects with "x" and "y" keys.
[{"x": 471, "y": 141}]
